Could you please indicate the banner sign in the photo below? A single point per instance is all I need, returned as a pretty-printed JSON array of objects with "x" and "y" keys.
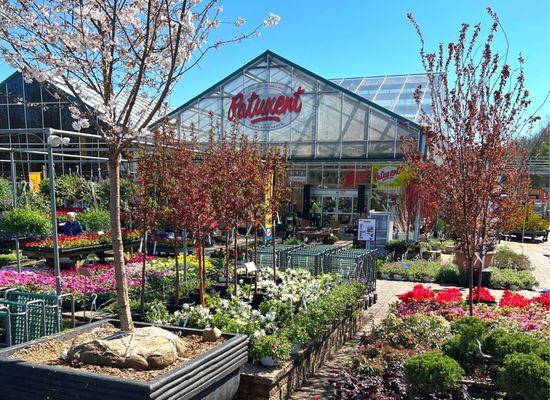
[
  {"x": 366, "y": 229},
  {"x": 389, "y": 175},
  {"x": 265, "y": 106},
  {"x": 34, "y": 181}
]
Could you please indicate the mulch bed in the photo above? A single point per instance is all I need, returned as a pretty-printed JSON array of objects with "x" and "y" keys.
[{"x": 50, "y": 352}]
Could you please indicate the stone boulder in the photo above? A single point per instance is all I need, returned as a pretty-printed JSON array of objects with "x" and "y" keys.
[{"x": 143, "y": 349}]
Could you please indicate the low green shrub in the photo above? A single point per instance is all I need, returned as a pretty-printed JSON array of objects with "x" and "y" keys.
[
  {"x": 331, "y": 239},
  {"x": 417, "y": 330},
  {"x": 25, "y": 222},
  {"x": 500, "y": 342},
  {"x": 463, "y": 345},
  {"x": 525, "y": 377},
  {"x": 419, "y": 269},
  {"x": 505, "y": 257},
  {"x": 432, "y": 373},
  {"x": 276, "y": 346},
  {"x": 293, "y": 241},
  {"x": 448, "y": 273},
  {"x": 512, "y": 279},
  {"x": 297, "y": 333},
  {"x": 95, "y": 220}
]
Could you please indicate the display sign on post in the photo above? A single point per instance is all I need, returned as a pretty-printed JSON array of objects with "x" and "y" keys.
[
  {"x": 34, "y": 181},
  {"x": 366, "y": 230}
]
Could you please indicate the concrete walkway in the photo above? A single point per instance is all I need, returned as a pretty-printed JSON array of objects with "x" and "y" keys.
[{"x": 539, "y": 255}]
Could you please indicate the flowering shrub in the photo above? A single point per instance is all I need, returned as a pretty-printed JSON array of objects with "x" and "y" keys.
[
  {"x": 484, "y": 295},
  {"x": 452, "y": 295},
  {"x": 512, "y": 299},
  {"x": 418, "y": 294},
  {"x": 543, "y": 299},
  {"x": 99, "y": 279},
  {"x": 84, "y": 240}
]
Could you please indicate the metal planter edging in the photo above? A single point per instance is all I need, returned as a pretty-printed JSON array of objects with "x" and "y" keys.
[{"x": 208, "y": 372}]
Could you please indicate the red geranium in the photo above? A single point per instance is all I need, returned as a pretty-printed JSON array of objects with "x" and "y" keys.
[
  {"x": 418, "y": 294},
  {"x": 543, "y": 299},
  {"x": 452, "y": 295},
  {"x": 513, "y": 299},
  {"x": 484, "y": 295}
]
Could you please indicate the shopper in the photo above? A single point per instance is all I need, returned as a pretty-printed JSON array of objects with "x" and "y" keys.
[{"x": 72, "y": 226}]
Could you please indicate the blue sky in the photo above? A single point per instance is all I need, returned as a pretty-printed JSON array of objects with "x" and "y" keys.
[{"x": 356, "y": 38}]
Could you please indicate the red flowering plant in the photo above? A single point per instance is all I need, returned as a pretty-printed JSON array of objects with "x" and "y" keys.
[
  {"x": 84, "y": 240},
  {"x": 513, "y": 299},
  {"x": 543, "y": 299},
  {"x": 484, "y": 295},
  {"x": 418, "y": 294},
  {"x": 452, "y": 295}
]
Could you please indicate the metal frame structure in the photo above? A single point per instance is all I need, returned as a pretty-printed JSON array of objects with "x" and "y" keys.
[
  {"x": 48, "y": 133},
  {"x": 334, "y": 123}
]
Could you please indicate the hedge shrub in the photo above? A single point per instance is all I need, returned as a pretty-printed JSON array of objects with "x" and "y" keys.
[
  {"x": 432, "y": 373},
  {"x": 463, "y": 345},
  {"x": 525, "y": 377},
  {"x": 95, "y": 220},
  {"x": 25, "y": 222},
  {"x": 500, "y": 343},
  {"x": 508, "y": 278}
]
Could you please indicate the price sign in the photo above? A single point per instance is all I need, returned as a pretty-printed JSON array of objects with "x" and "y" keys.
[{"x": 366, "y": 229}]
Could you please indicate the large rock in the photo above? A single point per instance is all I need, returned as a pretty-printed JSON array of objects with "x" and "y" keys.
[{"x": 144, "y": 349}]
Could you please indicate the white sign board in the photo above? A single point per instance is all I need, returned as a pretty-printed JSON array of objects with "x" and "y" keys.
[
  {"x": 250, "y": 267},
  {"x": 366, "y": 229}
]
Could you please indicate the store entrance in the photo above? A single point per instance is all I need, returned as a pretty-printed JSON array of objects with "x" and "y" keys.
[{"x": 335, "y": 207}]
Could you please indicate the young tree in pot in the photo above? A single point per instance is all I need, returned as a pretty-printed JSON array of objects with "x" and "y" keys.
[
  {"x": 472, "y": 166},
  {"x": 117, "y": 62},
  {"x": 151, "y": 206}
]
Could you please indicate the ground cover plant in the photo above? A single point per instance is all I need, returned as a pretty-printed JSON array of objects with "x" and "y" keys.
[{"x": 428, "y": 348}]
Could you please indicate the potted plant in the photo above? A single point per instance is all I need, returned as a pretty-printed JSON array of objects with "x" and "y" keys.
[
  {"x": 297, "y": 335},
  {"x": 270, "y": 350},
  {"x": 215, "y": 372}
]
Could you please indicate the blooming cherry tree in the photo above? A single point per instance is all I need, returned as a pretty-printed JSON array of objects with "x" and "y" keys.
[{"x": 117, "y": 63}]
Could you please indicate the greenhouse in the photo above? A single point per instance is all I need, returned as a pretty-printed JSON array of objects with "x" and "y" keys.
[{"x": 342, "y": 132}]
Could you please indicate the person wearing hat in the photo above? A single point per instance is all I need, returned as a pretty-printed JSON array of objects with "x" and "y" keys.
[{"x": 72, "y": 226}]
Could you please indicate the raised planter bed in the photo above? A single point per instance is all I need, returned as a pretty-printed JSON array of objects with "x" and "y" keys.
[
  {"x": 213, "y": 375},
  {"x": 263, "y": 383}
]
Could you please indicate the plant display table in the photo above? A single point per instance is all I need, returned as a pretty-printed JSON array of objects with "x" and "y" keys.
[{"x": 76, "y": 253}]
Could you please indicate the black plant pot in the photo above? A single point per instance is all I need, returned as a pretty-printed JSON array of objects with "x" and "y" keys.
[{"x": 214, "y": 375}]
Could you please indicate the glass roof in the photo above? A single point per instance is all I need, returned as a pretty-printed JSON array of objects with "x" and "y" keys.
[{"x": 394, "y": 92}]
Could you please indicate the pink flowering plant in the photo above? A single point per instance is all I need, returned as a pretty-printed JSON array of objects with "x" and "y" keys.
[
  {"x": 97, "y": 278},
  {"x": 515, "y": 312}
]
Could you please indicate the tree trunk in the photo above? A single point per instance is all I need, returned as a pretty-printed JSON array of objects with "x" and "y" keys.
[
  {"x": 470, "y": 287},
  {"x": 227, "y": 257},
  {"x": 185, "y": 256},
  {"x": 246, "y": 244},
  {"x": 126, "y": 323},
  {"x": 235, "y": 259},
  {"x": 176, "y": 254},
  {"x": 198, "y": 250},
  {"x": 142, "y": 293},
  {"x": 256, "y": 260},
  {"x": 273, "y": 254}
]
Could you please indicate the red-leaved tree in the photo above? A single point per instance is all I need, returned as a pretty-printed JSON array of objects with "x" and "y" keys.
[{"x": 471, "y": 165}]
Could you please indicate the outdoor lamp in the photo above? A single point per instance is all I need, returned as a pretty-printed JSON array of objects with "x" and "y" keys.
[{"x": 56, "y": 141}]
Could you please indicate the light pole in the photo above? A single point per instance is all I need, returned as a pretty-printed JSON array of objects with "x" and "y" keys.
[
  {"x": 14, "y": 198},
  {"x": 54, "y": 141}
]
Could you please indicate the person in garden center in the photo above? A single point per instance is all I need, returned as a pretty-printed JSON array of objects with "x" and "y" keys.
[{"x": 72, "y": 226}]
